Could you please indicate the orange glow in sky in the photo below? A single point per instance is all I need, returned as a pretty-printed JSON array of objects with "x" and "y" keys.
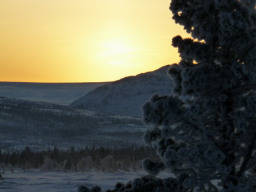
[{"x": 84, "y": 40}]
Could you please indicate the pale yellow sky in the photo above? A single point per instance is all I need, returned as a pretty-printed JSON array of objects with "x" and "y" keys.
[{"x": 84, "y": 40}]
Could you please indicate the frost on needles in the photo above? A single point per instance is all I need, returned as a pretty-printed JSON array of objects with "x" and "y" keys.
[{"x": 205, "y": 132}]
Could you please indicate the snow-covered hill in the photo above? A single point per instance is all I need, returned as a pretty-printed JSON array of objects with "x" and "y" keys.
[
  {"x": 41, "y": 125},
  {"x": 59, "y": 93},
  {"x": 126, "y": 96},
  {"x": 105, "y": 118}
]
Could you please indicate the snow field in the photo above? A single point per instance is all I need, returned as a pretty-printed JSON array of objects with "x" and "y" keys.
[{"x": 38, "y": 181}]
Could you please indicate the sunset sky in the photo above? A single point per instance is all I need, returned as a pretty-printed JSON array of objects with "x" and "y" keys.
[{"x": 84, "y": 40}]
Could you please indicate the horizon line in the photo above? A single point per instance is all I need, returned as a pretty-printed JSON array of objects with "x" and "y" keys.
[
  {"x": 79, "y": 82},
  {"x": 34, "y": 82}
]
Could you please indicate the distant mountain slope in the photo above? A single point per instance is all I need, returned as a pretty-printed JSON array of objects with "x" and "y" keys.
[
  {"x": 126, "y": 96},
  {"x": 59, "y": 93},
  {"x": 41, "y": 125}
]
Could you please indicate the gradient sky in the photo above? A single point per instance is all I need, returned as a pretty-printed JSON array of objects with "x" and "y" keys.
[{"x": 84, "y": 40}]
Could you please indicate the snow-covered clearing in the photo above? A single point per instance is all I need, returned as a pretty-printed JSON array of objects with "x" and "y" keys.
[{"x": 38, "y": 181}]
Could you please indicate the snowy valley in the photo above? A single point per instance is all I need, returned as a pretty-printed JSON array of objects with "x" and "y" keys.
[
  {"x": 107, "y": 115},
  {"x": 38, "y": 117}
]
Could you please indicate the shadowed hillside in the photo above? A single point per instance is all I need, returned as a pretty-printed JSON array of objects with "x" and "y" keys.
[
  {"x": 40, "y": 125},
  {"x": 126, "y": 96}
]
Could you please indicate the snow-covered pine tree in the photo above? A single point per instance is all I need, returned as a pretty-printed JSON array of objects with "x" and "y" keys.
[
  {"x": 205, "y": 132},
  {"x": 211, "y": 135}
]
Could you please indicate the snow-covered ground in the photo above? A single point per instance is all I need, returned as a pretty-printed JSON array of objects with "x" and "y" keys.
[
  {"x": 43, "y": 125},
  {"x": 38, "y": 181}
]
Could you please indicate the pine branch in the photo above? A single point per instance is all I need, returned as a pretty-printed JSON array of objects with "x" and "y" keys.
[
  {"x": 248, "y": 50},
  {"x": 247, "y": 156},
  {"x": 242, "y": 89}
]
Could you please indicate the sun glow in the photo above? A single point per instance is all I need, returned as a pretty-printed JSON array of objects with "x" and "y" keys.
[
  {"x": 84, "y": 40},
  {"x": 115, "y": 52}
]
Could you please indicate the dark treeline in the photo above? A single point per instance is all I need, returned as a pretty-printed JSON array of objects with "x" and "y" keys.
[{"x": 87, "y": 159}]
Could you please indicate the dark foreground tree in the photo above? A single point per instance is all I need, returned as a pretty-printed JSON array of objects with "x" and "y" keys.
[{"x": 205, "y": 132}]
